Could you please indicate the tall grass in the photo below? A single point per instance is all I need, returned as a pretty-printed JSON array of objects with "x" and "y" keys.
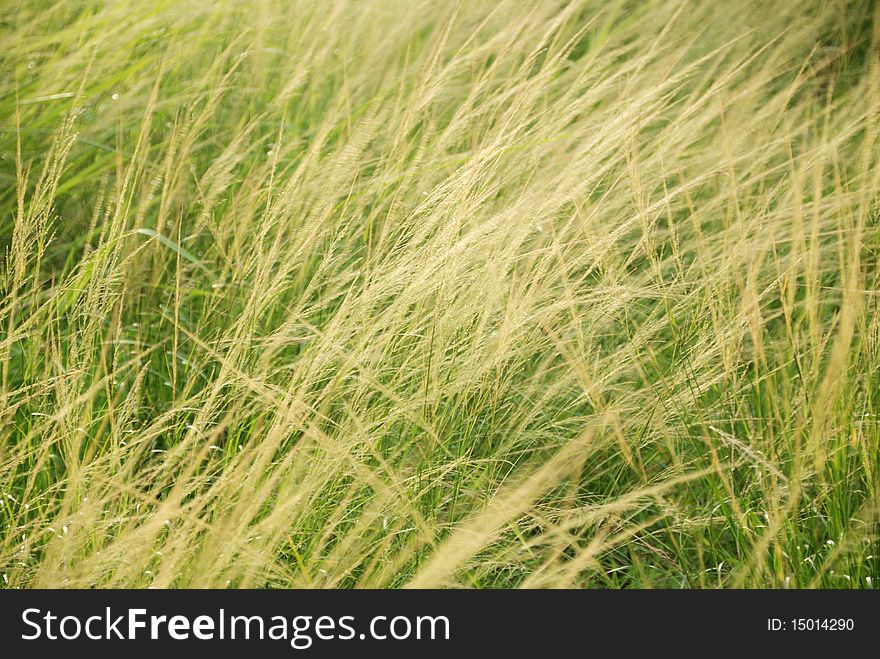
[{"x": 399, "y": 293}]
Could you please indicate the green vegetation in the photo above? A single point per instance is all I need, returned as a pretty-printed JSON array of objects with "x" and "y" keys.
[{"x": 390, "y": 293}]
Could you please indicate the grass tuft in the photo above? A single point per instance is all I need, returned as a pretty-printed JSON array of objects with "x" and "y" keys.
[{"x": 404, "y": 293}]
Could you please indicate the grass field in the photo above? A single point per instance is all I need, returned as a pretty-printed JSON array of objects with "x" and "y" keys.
[{"x": 392, "y": 293}]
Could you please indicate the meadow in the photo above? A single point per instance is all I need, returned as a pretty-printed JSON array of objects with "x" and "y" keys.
[{"x": 399, "y": 293}]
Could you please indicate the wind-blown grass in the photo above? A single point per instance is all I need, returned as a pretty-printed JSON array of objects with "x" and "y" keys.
[{"x": 403, "y": 293}]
